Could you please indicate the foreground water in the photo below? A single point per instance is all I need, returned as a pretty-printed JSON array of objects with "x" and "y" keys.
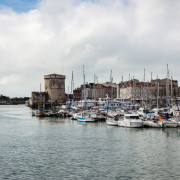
[{"x": 51, "y": 148}]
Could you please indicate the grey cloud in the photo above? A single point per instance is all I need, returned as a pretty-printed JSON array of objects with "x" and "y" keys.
[{"x": 103, "y": 35}]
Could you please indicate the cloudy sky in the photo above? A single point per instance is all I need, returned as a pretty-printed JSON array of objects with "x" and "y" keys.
[{"x": 39, "y": 37}]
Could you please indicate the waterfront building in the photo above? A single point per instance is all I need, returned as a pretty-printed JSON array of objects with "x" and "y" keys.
[
  {"x": 54, "y": 92},
  {"x": 134, "y": 90},
  {"x": 146, "y": 92},
  {"x": 111, "y": 89},
  {"x": 95, "y": 91},
  {"x": 38, "y": 99},
  {"x": 77, "y": 94},
  {"x": 99, "y": 91},
  {"x": 55, "y": 87}
]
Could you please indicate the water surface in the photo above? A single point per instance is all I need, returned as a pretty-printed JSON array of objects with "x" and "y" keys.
[{"x": 57, "y": 148}]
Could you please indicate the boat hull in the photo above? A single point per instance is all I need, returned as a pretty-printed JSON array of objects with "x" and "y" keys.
[
  {"x": 131, "y": 124},
  {"x": 152, "y": 124},
  {"x": 85, "y": 119},
  {"x": 112, "y": 123},
  {"x": 169, "y": 124}
]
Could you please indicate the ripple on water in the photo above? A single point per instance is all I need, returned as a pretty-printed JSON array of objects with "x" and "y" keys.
[{"x": 50, "y": 148}]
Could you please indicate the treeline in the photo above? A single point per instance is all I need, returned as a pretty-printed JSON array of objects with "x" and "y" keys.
[
  {"x": 14, "y": 100},
  {"x": 19, "y": 100}
]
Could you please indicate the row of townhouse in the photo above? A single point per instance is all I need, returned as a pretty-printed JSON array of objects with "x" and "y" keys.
[
  {"x": 134, "y": 90},
  {"x": 95, "y": 91},
  {"x": 147, "y": 91}
]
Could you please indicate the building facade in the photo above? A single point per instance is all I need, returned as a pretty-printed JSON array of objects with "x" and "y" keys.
[
  {"x": 95, "y": 91},
  {"x": 147, "y": 92},
  {"x": 38, "y": 99},
  {"x": 55, "y": 87},
  {"x": 77, "y": 94},
  {"x": 54, "y": 92}
]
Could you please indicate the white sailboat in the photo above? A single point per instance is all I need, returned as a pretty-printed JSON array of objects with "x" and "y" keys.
[
  {"x": 110, "y": 120},
  {"x": 85, "y": 117},
  {"x": 152, "y": 123},
  {"x": 168, "y": 124}
]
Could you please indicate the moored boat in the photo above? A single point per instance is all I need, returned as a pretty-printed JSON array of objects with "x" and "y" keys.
[
  {"x": 85, "y": 117},
  {"x": 40, "y": 113},
  {"x": 111, "y": 121},
  {"x": 168, "y": 124},
  {"x": 152, "y": 123},
  {"x": 130, "y": 120}
]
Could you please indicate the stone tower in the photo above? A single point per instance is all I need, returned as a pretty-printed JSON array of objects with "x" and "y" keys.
[{"x": 55, "y": 87}]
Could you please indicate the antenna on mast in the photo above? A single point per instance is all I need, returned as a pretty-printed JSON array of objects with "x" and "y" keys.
[{"x": 111, "y": 75}]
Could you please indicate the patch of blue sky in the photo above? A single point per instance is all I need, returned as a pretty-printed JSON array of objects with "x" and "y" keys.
[
  {"x": 94, "y": 1},
  {"x": 19, "y": 6},
  {"x": 125, "y": 2}
]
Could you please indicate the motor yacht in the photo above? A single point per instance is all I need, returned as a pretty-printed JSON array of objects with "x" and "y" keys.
[{"x": 130, "y": 120}]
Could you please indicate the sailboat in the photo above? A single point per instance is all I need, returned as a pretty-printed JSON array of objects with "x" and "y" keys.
[
  {"x": 111, "y": 120},
  {"x": 154, "y": 123},
  {"x": 167, "y": 122},
  {"x": 84, "y": 116}
]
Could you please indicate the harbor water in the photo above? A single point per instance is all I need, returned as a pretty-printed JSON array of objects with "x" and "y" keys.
[{"x": 57, "y": 148}]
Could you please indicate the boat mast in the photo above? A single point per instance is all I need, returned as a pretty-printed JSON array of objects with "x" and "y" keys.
[
  {"x": 84, "y": 88},
  {"x": 68, "y": 94},
  {"x": 145, "y": 98},
  {"x": 51, "y": 93},
  {"x": 167, "y": 88},
  {"x": 157, "y": 96},
  {"x": 151, "y": 97},
  {"x": 111, "y": 85},
  {"x": 94, "y": 87},
  {"x": 72, "y": 83},
  {"x": 143, "y": 85},
  {"x": 129, "y": 92},
  {"x": 151, "y": 92},
  {"x": 171, "y": 90},
  {"x": 122, "y": 91},
  {"x": 39, "y": 103},
  {"x": 133, "y": 91}
]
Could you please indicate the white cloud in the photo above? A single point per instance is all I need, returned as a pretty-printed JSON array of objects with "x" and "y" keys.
[{"x": 103, "y": 35}]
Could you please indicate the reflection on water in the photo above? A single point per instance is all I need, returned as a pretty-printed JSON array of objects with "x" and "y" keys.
[
  {"x": 57, "y": 148},
  {"x": 172, "y": 132},
  {"x": 51, "y": 120}
]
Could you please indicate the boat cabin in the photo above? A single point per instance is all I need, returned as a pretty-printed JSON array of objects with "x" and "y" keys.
[{"x": 131, "y": 116}]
